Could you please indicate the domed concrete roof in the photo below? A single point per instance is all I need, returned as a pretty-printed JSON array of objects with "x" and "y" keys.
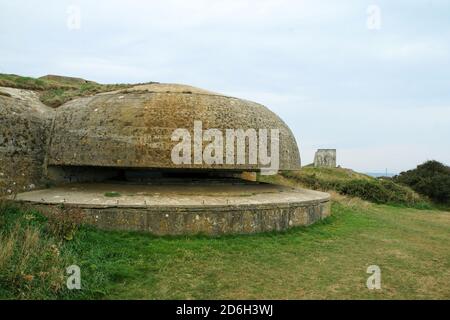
[{"x": 133, "y": 128}]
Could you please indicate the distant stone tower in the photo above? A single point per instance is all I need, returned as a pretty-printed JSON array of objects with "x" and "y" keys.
[{"x": 325, "y": 158}]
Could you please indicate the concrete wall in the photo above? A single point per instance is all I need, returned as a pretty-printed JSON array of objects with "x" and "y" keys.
[
  {"x": 25, "y": 125},
  {"x": 205, "y": 220}
]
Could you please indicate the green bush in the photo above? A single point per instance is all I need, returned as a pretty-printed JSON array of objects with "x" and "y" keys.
[
  {"x": 380, "y": 191},
  {"x": 350, "y": 183},
  {"x": 371, "y": 191},
  {"x": 431, "y": 179}
]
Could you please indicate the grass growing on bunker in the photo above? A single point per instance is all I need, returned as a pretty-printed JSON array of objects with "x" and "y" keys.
[
  {"x": 326, "y": 260},
  {"x": 56, "y": 90},
  {"x": 112, "y": 194}
]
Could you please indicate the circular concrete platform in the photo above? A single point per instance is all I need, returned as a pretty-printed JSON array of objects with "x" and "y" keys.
[{"x": 174, "y": 208}]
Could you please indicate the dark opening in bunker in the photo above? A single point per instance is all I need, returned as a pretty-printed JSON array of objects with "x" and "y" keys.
[{"x": 86, "y": 174}]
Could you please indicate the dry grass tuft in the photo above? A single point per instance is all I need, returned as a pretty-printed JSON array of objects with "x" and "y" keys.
[{"x": 33, "y": 258}]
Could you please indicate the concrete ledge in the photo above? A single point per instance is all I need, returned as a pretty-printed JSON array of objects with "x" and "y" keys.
[{"x": 188, "y": 209}]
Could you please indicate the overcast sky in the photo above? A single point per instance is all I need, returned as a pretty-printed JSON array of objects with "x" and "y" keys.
[{"x": 369, "y": 78}]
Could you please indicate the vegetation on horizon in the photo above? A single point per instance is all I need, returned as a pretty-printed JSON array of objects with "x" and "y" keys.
[
  {"x": 350, "y": 183},
  {"x": 431, "y": 179},
  {"x": 56, "y": 90}
]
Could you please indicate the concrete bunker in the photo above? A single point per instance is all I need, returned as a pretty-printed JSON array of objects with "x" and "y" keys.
[{"x": 122, "y": 143}]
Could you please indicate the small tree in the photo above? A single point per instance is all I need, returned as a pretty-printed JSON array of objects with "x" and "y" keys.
[{"x": 431, "y": 178}]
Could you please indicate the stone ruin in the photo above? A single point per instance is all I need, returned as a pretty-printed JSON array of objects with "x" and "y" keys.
[
  {"x": 110, "y": 155},
  {"x": 325, "y": 158}
]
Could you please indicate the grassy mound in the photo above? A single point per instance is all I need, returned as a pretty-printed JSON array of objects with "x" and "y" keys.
[
  {"x": 56, "y": 90},
  {"x": 350, "y": 183}
]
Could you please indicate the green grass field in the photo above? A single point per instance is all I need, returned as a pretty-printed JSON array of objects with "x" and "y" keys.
[{"x": 327, "y": 260}]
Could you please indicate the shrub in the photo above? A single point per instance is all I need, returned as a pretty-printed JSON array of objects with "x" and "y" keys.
[
  {"x": 380, "y": 191},
  {"x": 350, "y": 183},
  {"x": 366, "y": 190},
  {"x": 33, "y": 253},
  {"x": 31, "y": 266},
  {"x": 62, "y": 223},
  {"x": 431, "y": 179}
]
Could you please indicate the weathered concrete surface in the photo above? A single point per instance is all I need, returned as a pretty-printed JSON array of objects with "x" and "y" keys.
[
  {"x": 188, "y": 208},
  {"x": 133, "y": 127},
  {"x": 24, "y": 126},
  {"x": 95, "y": 138},
  {"x": 325, "y": 158}
]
